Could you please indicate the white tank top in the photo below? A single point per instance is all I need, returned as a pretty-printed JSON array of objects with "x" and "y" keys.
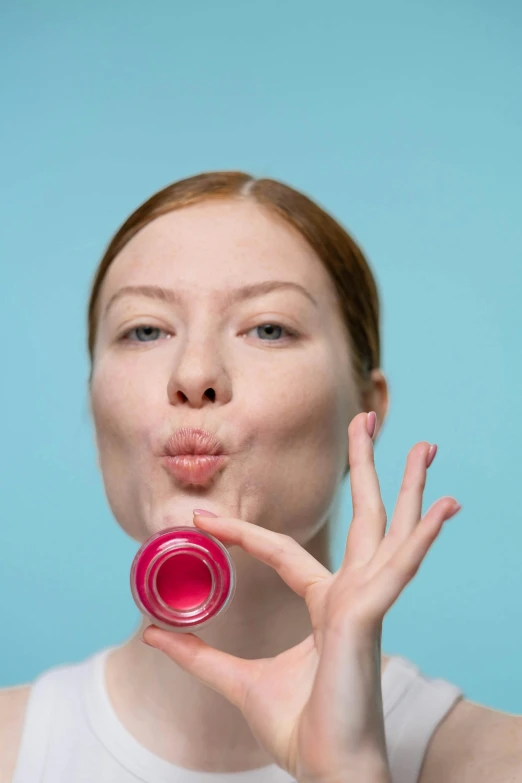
[{"x": 71, "y": 733}]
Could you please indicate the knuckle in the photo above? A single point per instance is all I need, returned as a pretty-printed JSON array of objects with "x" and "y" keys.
[
  {"x": 377, "y": 512},
  {"x": 409, "y": 568},
  {"x": 282, "y": 545},
  {"x": 401, "y": 570}
]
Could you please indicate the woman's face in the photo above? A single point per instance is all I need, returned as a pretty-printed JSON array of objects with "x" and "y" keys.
[{"x": 279, "y": 402}]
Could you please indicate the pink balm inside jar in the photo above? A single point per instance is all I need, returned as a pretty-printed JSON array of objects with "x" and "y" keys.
[
  {"x": 181, "y": 578},
  {"x": 183, "y": 582}
]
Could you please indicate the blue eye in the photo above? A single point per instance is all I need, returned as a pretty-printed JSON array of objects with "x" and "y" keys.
[
  {"x": 273, "y": 331},
  {"x": 147, "y": 331},
  {"x": 147, "y": 334}
]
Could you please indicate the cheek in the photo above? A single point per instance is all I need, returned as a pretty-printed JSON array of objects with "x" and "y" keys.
[
  {"x": 121, "y": 410},
  {"x": 302, "y": 408},
  {"x": 299, "y": 424}
]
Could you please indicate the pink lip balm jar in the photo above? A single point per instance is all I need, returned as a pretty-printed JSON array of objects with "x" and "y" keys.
[{"x": 182, "y": 578}]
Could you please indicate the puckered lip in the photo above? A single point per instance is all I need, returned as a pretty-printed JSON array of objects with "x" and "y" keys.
[
  {"x": 187, "y": 441},
  {"x": 194, "y": 468}
]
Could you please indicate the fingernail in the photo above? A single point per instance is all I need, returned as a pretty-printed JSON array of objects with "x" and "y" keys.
[
  {"x": 371, "y": 423},
  {"x": 456, "y": 508},
  {"x": 431, "y": 455},
  {"x": 145, "y": 641},
  {"x": 202, "y": 513}
]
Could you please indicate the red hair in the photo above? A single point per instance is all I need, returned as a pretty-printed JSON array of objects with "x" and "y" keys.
[{"x": 341, "y": 255}]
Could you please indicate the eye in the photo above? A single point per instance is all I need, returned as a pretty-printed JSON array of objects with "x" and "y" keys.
[
  {"x": 273, "y": 331},
  {"x": 148, "y": 333}
]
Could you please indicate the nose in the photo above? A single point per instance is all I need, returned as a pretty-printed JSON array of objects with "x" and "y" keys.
[{"x": 199, "y": 376}]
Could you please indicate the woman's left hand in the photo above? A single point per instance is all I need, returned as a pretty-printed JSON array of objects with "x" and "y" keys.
[{"x": 317, "y": 707}]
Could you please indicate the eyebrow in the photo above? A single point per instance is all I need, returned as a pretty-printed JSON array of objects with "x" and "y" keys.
[{"x": 237, "y": 295}]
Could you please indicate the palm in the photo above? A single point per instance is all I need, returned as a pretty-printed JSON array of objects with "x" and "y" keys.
[
  {"x": 284, "y": 702},
  {"x": 276, "y": 698},
  {"x": 316, "y": 705}
]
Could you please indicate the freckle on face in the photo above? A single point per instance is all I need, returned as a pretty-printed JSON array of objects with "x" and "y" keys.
[{"x": 283, "y": 411}]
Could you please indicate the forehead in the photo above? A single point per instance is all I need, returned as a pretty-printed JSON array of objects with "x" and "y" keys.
[{"x": 218, "y": 243}]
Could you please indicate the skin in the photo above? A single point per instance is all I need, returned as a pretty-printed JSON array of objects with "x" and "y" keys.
[
  {"x": 282, "y": 409},
  {"x": 282, "y": 412}
]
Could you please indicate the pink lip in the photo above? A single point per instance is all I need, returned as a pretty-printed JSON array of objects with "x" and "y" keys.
[
  {"x": 193, "y": 468},
  {"x": 193, "y": 455},
  {"x": 191, "y": 440}
]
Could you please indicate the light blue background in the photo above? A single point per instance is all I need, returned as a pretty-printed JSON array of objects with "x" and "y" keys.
[{"x": 404, "y": 120}]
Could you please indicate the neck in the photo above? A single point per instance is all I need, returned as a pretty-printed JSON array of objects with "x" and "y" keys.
[{"x": 185, "y": 722}]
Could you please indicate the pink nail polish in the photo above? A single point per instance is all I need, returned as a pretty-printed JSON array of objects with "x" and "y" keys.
[
  {"x": 203, "y": 513},
  {"x": 431, "y": 454},
  {"x": 371, "y": 423},
  {"x": 181, "y": 578}
]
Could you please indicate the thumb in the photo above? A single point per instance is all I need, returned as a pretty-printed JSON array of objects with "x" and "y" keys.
[{"x": 222, "y": 672}]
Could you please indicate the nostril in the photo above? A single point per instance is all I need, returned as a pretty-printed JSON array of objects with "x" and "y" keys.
[{"x": 209, "y": 394}]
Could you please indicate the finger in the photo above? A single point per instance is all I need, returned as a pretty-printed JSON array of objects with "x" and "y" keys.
[
  {"x": 297, "y": 567},
  {"x": 369, "y": 515},
  {"x": 222, "y": 672},
  {"x": 408, "y": 509},
  {"x": 404, "y": 564}
]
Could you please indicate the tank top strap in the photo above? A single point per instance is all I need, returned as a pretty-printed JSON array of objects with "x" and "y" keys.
[
  {"x": 414, "y": 706},
  {"x": 37, "y": 728},
  {"x": 53, "y": 707}
]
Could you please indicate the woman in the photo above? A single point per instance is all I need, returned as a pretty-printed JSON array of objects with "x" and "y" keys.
[{"x": 190, "y": 326}]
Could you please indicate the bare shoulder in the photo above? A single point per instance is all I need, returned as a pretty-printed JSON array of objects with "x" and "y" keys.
[
  {"x": 13, "y": 703},
  {"x": 475, "y": 744}
]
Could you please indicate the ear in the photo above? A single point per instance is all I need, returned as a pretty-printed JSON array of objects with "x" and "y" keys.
[{"x": 374, "y": 398}]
